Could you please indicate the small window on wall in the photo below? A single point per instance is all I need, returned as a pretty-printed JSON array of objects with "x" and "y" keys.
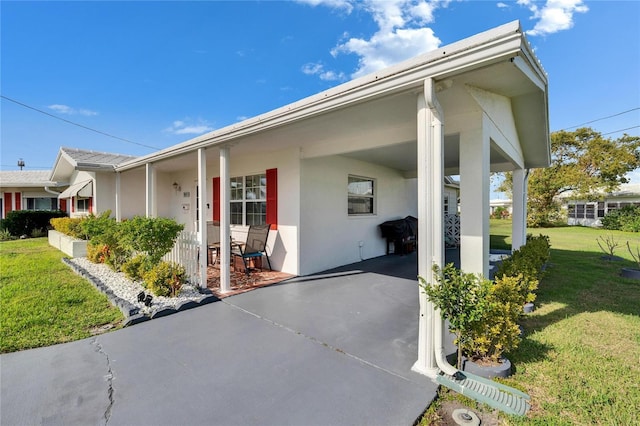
[
  {"x": 83, "y": 205},
  {"x": 360, "y": 196},
  {"x": 249, "y": 200},
  {"x": 42, "y": 203}
]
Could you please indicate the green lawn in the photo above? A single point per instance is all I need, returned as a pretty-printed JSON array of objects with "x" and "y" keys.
[
  {"x": 43, "y": 301},
  {"x": 580, "y": 356}
]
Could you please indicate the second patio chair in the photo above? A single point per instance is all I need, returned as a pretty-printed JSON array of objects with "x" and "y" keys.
[{"x": 254, "y": 247}]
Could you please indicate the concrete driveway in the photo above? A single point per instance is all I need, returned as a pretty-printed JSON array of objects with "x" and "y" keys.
[{"x": 330, "y": 349}]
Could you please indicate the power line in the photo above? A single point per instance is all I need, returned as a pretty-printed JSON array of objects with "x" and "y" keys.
[
  {"x": 621, "y": 130},
  {"x": 603, "y": 118},
  {"x": 76, "y": 124}
]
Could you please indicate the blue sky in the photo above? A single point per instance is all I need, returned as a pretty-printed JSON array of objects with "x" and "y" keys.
[{"x": 159, "y": 73}]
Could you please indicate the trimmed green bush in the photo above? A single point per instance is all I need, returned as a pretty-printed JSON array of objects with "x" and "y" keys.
[
  {"x": 69, "y": 226},
  {"x": 136, "y": 267},
  {"x": 625, "y": 219},
  {"x": 153, "y": 236},
  {"x": 165, "y": 279},
  {"x": 497, "y": 331},
  {"x": 24, "y": 222}
]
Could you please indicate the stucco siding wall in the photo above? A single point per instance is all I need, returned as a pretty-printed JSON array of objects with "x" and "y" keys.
[
  {"x": 329, "y": 236},
  {"x": 283, "y": 243},
  {"x": 132, "y": 193}
]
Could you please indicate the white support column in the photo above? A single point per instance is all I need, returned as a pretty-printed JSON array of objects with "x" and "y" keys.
[
  {"x": 202, "y": 220},
  {"x": 430, "y": 218},
  {"x": 118, "y": 198},
  {"x": 474, "y": 200},
  {"x": 225, "y": 222},
  {"x": 519, "y": 207},
  {"x": 151, "y": 210}
]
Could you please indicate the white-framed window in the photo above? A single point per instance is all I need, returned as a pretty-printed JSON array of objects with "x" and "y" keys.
[
  {"x": 360, "y": 196},
  {"x": 445, "y": 204},
  {"x": 249, "y": 200},
  {"x": 83, "y": 205},
  {"x": 41, "y": 203}
]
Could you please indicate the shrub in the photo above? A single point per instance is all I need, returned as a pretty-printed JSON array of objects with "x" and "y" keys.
[
  {"x": 24, "y": 222},
  {"x": 165, "y": 279},
  {"x": 497, "y": 331},
  {"x": 153, "y": 236},
  {"x": 69, "y": 226},
  {"x": 97, "y": 253},
  {"x": 526, "y": 265},
  {"x": 5, "y": 235},
  {"x": 136, "y": 267},
  {"x": 626, "y": 219},
  {"x": 461, "y": 298}
]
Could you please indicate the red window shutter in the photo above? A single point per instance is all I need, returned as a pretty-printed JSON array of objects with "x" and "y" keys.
[
  {"x": 216, "y": 199},
  {"x": 63, "y": 205},
  {"x": 8, "y": 203},
  {"x": 73, "y": 204},
  {"x": 272, "y": 198},
  {"x": 18, "y": 201},
  {"x": 91, "y": 205}
]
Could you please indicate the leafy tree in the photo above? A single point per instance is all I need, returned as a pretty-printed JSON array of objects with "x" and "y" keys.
[{"x": 583, "y": 162}]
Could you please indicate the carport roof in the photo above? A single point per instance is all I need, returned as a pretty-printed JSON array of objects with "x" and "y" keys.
[{"x": 380, "y": 108}]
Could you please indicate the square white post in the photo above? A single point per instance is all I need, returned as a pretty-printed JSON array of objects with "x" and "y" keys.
[
  {"x": 519, "y": 209},
  {"x": 118, "y": 198},
  {"x": 474, "y": 200},
  {"x": 202, "y": 220},
  {"x": 150, "y": 190},
  {"x": 225, "y": 222}
]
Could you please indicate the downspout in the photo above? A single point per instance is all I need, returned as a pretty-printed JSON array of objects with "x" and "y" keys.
[
  {"x": 438, "y": 225},
  {"x": 46, "y": 188}
]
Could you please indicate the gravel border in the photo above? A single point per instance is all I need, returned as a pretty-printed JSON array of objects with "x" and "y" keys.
[{"x": 123, "y": 293}]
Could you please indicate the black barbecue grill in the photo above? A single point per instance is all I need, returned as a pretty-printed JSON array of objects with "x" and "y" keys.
[{"x": 403, "y": 233}]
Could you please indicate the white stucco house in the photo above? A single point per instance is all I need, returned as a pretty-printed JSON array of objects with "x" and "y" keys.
[
  {"x": 590, "y": 213},
  {"x": 327, "y": 170},
  {"x": 86, "y": 181},
  {"x": 27, "y": 190}
]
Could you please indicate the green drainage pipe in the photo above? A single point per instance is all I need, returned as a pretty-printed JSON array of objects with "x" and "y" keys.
[{"x": 495, "y": 395}]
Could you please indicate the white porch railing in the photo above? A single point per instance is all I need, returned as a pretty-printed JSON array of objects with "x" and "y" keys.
[
  {"x": 452, "y": 230},
  {"x": 185, "y": 252}
]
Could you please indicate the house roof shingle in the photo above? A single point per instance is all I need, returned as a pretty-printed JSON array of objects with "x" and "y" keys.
[{"x": 25, "y": 178}]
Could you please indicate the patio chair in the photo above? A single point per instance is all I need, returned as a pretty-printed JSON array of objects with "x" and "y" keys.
[
  {"x": 213, "y": 241},
  {"x": 254, "y": 247}
]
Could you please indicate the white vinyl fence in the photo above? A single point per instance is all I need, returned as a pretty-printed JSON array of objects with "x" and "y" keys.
[{"x": 185, "y": 252}]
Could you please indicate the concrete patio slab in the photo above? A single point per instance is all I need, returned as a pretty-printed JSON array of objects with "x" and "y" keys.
[{"x": 325, "y": 350}]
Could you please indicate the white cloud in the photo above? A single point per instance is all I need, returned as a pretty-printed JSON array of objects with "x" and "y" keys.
[
  {"x": 326, "y": 75},
  {"x": 345, "y": 5},
  {"x": 502, "y": 5},
  {"x": 65, "y": 109},
  {"x": 554, "y": 16},
  {"x": 402, "y": 34},
  {"x": 189, "y": 127}
]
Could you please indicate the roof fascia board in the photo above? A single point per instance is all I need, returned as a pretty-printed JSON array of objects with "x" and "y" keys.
[{"x": 499, "y": 44}]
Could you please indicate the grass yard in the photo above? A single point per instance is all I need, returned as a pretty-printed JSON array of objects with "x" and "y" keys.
[
  {"x": 43, "y": 301},
  {"x": 580, "y": 355}
]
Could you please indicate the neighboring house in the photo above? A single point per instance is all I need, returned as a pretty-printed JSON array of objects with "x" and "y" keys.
[
  {"x": 88, "y": 181},
  {"x": 590, "y": 213},
  {"x": 27, "y": 190},
  {"x": 505, "y": 204}
]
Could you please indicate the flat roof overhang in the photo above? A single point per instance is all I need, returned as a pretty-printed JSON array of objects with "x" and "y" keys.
[{"x": 374, "y": 118}]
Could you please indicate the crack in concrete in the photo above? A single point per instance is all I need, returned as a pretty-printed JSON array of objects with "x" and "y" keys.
[
  {"x": 315, "y": 340},
  {"x": 109, "y": 378}
]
